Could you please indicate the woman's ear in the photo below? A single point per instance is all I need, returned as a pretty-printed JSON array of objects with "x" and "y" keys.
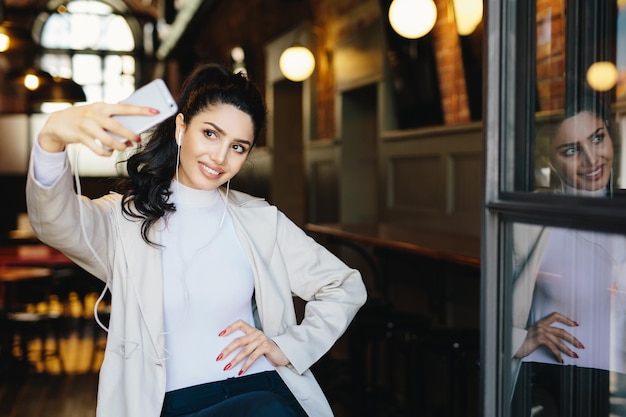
[{"x": 180, "y": 128}]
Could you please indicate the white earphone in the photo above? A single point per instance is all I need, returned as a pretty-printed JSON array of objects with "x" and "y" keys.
[{"x": 180, "y": 137}]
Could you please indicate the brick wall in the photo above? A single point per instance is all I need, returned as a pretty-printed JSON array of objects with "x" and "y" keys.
[{"x": 550, "y": 54}]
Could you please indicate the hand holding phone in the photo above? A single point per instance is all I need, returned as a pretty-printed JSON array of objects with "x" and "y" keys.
[{"x": 155, "y": 94}]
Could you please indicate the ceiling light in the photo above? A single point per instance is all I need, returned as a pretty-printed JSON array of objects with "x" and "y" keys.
[
  {"x": 412, "y": 19},
  {"x": 297, "y": 63},
  {"x": 468, "y": 14},
  {"x": 602, "y": 76}
]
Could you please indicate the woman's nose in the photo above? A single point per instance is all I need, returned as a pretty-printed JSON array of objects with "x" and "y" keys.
[
  {"x": 589, "y": 156},
  {"x": 219, "y": 154}
]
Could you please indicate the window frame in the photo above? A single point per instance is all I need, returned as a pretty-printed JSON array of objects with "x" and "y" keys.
[{"x": 508, "y": 129}]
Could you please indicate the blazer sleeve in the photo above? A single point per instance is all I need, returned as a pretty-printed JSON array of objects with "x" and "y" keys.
[
  {"x": 333, "y": 293},
  {"x": 75, "y": 225}
]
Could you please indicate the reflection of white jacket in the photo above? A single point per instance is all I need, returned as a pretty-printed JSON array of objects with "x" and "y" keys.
[
  {"x": 285, "y": 262},
  {"x": 529, "y": 243}
]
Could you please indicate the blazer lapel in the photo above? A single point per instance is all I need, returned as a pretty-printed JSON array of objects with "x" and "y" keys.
[{"x": 145, "y": 277}]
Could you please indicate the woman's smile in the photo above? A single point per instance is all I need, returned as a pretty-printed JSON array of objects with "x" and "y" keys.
[
  {"x": 594, "y": 174},
  {"x": 210, "y": 172}
]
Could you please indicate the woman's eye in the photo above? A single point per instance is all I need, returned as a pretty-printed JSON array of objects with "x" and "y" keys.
[
  {"x": 569, "y": 151},
  {"x": 598, "y": 138},
  {"x": 239, "y": 148},
  {"x": 210, "y": 134}
]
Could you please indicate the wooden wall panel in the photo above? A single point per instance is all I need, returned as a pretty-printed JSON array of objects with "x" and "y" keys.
[
  {"x": 433, "y": 178},
  {"x": 323, "y": 183},
  {"x": 466, "y": 194},
  {"x": 417, "y": 183}
]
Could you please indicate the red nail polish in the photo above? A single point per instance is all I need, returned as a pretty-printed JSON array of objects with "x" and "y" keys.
[
  {"x": 222, "y": 333},
  {"x": 219, "y": 357},
  {"x": 575, "y": 355},
  {"x": 154, "y": 111},
  {"x": 560, "y": 360},
  {"x": 227, "y": 367},
  {"x": 575, "y": 323},
  {"x": 580, "y": 345},
  {"x": 138, "y": 139},
  {"x": 240, "y": 372}
]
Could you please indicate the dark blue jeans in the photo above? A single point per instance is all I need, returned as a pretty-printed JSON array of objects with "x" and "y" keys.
[
  {"x": 256, "y": 395},
  {"x": 561, "y": 391}
]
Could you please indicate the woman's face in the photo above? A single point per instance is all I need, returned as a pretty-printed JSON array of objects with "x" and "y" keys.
[
  {"x": 215, "y": 144},
  {"x": 582, "y": 152}
]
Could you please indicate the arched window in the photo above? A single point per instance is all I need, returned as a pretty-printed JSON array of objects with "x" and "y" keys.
[
  {"x": 93, "y": 43},
  {"x": 97, "y": 44}
]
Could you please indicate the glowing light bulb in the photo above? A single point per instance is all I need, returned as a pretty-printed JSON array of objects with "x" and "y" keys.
[
  {"x": 412, "y": 19},
  {"x": 602, "y": 75},
  {"x": 5, "y": 42},
  {"x": 468, "y": 14},
  {"x": 297, "y": 63},
  {"x": 31, "y": 82}
]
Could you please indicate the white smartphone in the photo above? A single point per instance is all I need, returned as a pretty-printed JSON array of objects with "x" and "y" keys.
[{"x": 155, "y": 94}]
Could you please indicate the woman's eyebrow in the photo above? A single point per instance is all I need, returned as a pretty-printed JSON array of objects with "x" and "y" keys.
[
  {"x": 595, "y": 133},
  {"x": 216, "y": 127},
  {"x": 244, "y": 142},
  {"x": 567, "y": 145},
  {"x": 591, "y": 136},
  {"x": 222, "y": 132}
]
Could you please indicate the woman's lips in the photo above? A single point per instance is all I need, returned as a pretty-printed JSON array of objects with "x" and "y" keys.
[
  {"x": 210, "y": 171},
  {"x": 594, "y": 174}
]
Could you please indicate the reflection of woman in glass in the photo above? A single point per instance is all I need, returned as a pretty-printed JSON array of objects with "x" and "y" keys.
[
  {"x": 581, "y": 152},
  {"x": 566, "y": 333}
]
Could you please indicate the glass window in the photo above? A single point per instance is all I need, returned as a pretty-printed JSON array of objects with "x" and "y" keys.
[
  {"x": 554, "y": 229},
  {"x": 94, "y": 45}
]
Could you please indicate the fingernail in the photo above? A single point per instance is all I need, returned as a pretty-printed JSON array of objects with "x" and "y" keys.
[
  {"x": 154, "y": 111},
  {"x": 580, "y": 345},
  {"x": 219, "y": 357},
  {"x": 240, "y": 372},
  {"x": 222, "y": 333},
  {"x": 138, "y": 139},
  {"x": 575, "y": 355},
  {"x": 227, "y": 367},
  {"x": 575, "y": 323},
  {"x": 560, "y": 360}
]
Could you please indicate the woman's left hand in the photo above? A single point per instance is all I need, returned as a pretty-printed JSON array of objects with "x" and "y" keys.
[{"x": 253, "y": 345}]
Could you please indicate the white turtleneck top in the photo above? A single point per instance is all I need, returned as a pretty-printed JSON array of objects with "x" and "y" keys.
[{"x": 208, "y": 285}]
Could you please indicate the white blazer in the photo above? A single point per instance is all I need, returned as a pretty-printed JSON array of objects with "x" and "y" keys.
[{"x": 285, "y": 261}]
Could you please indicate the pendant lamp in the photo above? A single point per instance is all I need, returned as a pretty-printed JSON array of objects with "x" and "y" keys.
[
  {"x": 297, "y": 63},
  {"x": 412, "y": 19}
]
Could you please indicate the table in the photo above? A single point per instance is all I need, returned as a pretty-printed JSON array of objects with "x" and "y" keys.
[
  {"x": 21, "y": 264},
  {"x": 14, "y": 275},
  {"x": 10, "y": 277},
  {"x": 450, "y": 256},
  {"x": 429, "y": 288},
  {"x": 458, "y": 249},
  {"x": 37, "y": 255}
]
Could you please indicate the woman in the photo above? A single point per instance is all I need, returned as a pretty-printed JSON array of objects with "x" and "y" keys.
[
  {"x": 567, "y": 324},
  {"x": 201, "y": 277}
]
